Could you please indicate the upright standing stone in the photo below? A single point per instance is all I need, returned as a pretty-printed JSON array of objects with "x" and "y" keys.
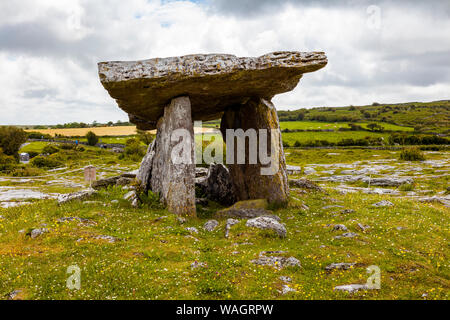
[
  {"x": 249, "y": 181},
  {"x": 169, "y": 167},
  {"x": 90, "y": 174}
]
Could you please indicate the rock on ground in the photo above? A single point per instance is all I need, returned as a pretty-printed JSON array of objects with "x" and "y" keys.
[
  {"x": 351, "y": 288},
  {"x": 347, "y": 235},
  {"x": 277, "y": 262},
  {"x": 38, "y": 232},
  {"x": 196, "y": 265},
  {"x": 285, "y": 289},
  {"x": 340, "y": 266},
  {"x": 305, "y": 184},
  {"x": 81, "y": 195},
  {"x": 267, "y": 223},
  {"x": 211, "y": 225},
  {"x": 340, "y": 227},
  {"x": 192, "y": 229},
  {"x": 383, "y": 203},
  {"x": 230, "y": 223},
  {"x": 110, "y": 239},
  {"x": 285, "y": 279}
]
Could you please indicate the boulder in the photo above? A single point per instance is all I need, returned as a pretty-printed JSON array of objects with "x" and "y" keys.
[
  {"x": 210, "y": 225},
  {"x": 213, "y": 82},
  {"x": 217, "y": 186},
  {"x": 256, "y": 177},
  {"x": 267, "y": 223}
]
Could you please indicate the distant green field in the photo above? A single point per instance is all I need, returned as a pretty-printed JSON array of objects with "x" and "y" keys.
[
  {"x": 292, "y": 137},
  {"x": 316, "y": 125},
  {"x": 35, "y": 146},
  {"x": 424, "y": 116}
]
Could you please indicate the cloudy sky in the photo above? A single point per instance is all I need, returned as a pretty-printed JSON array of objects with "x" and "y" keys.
[{"x": 381, "y": 51}]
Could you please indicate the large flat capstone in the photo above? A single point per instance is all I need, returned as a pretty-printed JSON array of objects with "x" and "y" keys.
[{"x": 213, "y": 82}]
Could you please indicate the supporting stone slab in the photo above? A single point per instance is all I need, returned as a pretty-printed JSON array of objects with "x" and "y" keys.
[
  {"x": 169, "y": 166},
  {"x": 248, "y": 180}
]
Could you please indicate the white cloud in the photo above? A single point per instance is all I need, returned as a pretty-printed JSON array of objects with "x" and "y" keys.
[{"x": 49, "y": 50}]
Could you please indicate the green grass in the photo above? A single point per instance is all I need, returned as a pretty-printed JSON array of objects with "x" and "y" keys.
[
  {"x": 425, "y": 116},
  {"x": 302, "y": 137},
  {"x": 316, "y": 125},
  {"x": 153, "y": 260},
  {"x": 35, "y": 146}
]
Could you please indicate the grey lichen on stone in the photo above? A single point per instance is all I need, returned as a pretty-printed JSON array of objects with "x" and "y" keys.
[{"x": 213, "y": 82}]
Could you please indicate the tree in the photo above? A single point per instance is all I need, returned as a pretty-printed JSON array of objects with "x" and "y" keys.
[
  {"x": 11, "y": 139},
  {"x": 92, "y": 138}
]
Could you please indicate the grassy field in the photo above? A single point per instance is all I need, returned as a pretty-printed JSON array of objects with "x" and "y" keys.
[
  {"x": 152, "y": 259},
  {"x": 317, "y": 125},
  {"x": 425, "y": 116},
  {"x": 100, "y": 131},
  {"x": 302, "y": 137}
]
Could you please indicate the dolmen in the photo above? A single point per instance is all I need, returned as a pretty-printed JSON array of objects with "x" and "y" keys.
[{"x": 169, "y": 94}]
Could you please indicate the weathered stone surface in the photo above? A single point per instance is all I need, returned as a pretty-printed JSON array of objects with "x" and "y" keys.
[
  {"x": 347, "y": 235},
  {"x": 351, "y": 288},
  {"x": 210, "y": 225},
  {"x": 230, "y": 223},
  {"x": 276, "y": 262},
  {"x": 165, "y": 169},
  {"x": 82, "y": 221},
  {"x": 192, "y": 229},
  {"x": 267, "y": 223},
  {"x": 340, "y": 266},
  {"x": 145, "y": 169},
  {"x": 339, "y": 227},
  {"x": 81, "y": 195},
  {"x": 104, "y": 183},
  {"x": 248, "y": 179},
  {"x": 37, "y": 232},
  {"x": 213, "y": 82},
  {"x": 217, "y": 185},
  {"x": 246, "y": 209},
  {"x": 383, "y": 203},
  {"x": 304, "y": 184}
]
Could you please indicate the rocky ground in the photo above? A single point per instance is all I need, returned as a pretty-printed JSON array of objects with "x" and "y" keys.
[{"x": 356, "y": 210}]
